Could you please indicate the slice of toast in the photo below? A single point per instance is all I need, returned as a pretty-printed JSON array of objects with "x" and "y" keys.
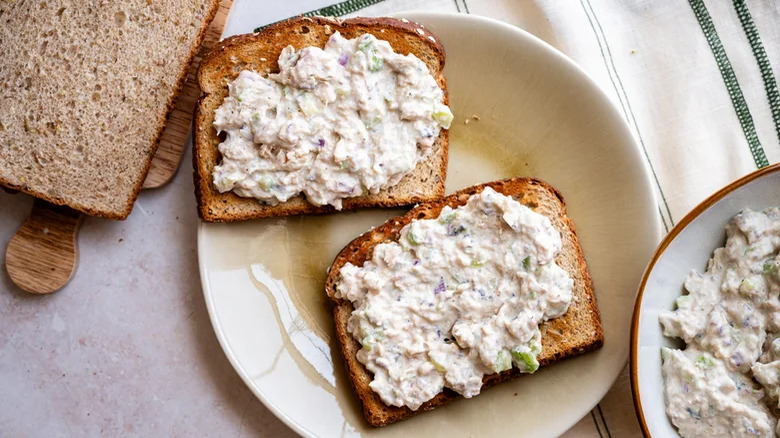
[
  {"x": 576, "y": 332},
  {"x": 86, "y": 92},
  {"x": 260, "y": 52}
]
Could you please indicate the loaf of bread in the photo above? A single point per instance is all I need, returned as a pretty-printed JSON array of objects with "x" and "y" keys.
[
  {"x": 87, "y": 86},
  {"x": 260, "y": 52},
  {"x": 576, "y": 332}
]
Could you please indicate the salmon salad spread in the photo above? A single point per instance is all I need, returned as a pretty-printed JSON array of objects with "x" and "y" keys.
[
  {"x": 726, "y": 380},
  {"x": 456, "y": 298},
  {"x": 349, "y": 119}
]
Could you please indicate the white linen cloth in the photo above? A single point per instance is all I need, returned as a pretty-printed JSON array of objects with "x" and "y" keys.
[{"x": 694, "y": 79}]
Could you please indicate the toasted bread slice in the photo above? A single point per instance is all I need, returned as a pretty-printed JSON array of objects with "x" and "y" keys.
[
  {"x": 576, "y": 332},
  {"x": 260, "y": 52},
  {"x": 86, "y": 91}
]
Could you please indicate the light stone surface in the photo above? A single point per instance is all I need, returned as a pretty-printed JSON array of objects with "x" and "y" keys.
[{"x": 127, "y": 348}]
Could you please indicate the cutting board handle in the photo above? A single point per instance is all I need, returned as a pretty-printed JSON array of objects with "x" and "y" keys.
[{"x": 42, "y": 256}]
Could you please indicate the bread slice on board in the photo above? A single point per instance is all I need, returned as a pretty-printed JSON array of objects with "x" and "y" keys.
[
  {"x": 576, "y": 332},
  {"x": 260, "y": 52},
  {"x": 86, "y": 89}
]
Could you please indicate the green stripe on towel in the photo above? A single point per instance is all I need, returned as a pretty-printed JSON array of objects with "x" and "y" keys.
[
  {"x": 337, "y": 10},
  {"x": 730, "y": 79},
  {"x": 609, "y": 64},
  {"x": 770, "y": 84}
]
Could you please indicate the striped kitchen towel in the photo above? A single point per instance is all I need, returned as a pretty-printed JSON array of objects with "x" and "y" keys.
[{"x": 695, "y": 79}]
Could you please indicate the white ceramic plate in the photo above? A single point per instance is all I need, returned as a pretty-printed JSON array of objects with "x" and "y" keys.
[
  {"x": 540, "y": 115},
  {"x": 688, "y": 246}
]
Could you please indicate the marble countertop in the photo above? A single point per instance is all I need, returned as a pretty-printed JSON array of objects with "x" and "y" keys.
[{"x": 126, "y": 348}]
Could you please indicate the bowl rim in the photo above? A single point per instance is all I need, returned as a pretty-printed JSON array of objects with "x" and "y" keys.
[{"x": 667, "y": 240}]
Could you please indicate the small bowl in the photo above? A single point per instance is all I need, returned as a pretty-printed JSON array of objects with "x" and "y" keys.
[{"x": 689, "y": 245}]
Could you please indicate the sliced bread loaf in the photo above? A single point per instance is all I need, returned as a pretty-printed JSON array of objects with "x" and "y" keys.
[{"x": 87, "y": 86}]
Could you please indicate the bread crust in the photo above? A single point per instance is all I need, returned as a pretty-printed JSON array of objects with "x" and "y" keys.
[
  {"x": 213, "y": 6},
  {"x": 576, "y": 332},
  {"x": 260, "y": 52}
]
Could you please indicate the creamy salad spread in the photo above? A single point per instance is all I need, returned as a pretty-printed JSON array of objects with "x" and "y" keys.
[
  {"x": 456, "y": 298},
  {"x": 725, "y": 382},
  {"x": 341, "y": 121}
]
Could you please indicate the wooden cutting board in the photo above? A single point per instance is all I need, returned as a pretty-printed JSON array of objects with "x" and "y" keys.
[{"x": 43, "y": 254}]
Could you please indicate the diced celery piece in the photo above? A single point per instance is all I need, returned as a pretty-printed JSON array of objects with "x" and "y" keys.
[
  {"x": 477, "y": 263},
  {"x": 447, "y": 217},
  {"x": 366, "y": 45},
  {"x": 373, "y": 121},
  {"x": 442, "y": 115},
  {"x": 375, "y": 63},
  {"x": 527, "y": 263},
  {"x": 525, "y": 360},
  {"x": 308, "y": 104},
  {"x": 226, "y": 183},
  {"x": 410, "y": 235},
  {"x": 746, "y": 286},
  {"x": 683, "y": 301},
  {"x": 266, "y": 182},
  {"x": 535, "y": 344},
  {"x": 705, "y": 361},
  {"x": 503, "y": 361},
  {"x": 439, "y": 367}
]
